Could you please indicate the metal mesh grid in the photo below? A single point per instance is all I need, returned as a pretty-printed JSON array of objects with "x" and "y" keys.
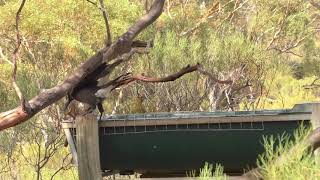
[
  {"x": 189, "y": 121},
  {"x": 193, "y": 114},
  {"x": 247, "y": 126},
  {"x": 175, "y": 125}
]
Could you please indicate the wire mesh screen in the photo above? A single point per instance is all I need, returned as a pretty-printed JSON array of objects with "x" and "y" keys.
[
  {"x": 193, "y": 121},
  {"x": 182, "y": 121}
]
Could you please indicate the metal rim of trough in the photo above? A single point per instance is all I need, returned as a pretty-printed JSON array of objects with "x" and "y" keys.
[{"x": 298, "y": 112}]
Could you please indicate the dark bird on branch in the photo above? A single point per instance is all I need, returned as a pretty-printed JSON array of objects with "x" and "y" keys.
[
  {"x": 91, "y": 93},
  {"x": 86, "y": 90}
]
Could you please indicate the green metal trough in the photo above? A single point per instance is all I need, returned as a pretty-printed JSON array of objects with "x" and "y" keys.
[{"x": 178, "y": 142}]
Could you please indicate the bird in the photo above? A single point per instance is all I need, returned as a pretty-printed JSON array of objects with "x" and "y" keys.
[
  {"x": 90, "y": 92},
  {"x": 85, "y": 91}
]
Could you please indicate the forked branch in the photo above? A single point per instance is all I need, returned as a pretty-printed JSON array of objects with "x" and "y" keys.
[{"x": 129, "y": 78}]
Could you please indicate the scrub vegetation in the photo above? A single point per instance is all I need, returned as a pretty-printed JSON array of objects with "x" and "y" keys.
[{"x": 269, "y": 51}]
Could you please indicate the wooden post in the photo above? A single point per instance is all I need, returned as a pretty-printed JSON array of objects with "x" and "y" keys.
[
  {"x": 88, "y": 148},
  {"x": 315, "y": 120}
]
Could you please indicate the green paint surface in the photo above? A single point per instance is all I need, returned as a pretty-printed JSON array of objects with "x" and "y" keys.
[{"x": 188, "y": 149}]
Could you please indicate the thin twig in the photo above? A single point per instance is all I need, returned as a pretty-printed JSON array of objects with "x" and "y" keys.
[
  {"x": 63, "y": 166},
  {"x": 231, "y": 14},
  {"x": 2, "y": 56},
  {"x": 105, "y": 17},
  {"x": 94, "y": 3},
  {"x": 16, "y": 55},
  {"x": 315, "y": 4},
  {"x": 212, "y": 78},
  {"x": 146, "y": 6},
  {"x": 106, "y": 20},
  {"x": 313, "y": 84},
  {"x": 204, "y": 19},
  {"x": 291, "y": 46}
]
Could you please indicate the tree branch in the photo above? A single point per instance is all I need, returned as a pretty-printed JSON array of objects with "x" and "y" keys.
[
  {"x": 49, "y": 96},
  {"x": 15, "y": 58},
  {"x": 212, "y": 78},
  {"x": 2, "y": 56},
  {"x": 106, "y": 21},
  {"x": 146, "y": 20},
  {"x": 129, "y": 78},
  {"x": 105, "y": 17},
  {"x": 63, "y": 165},
  {"x": 172, "y": 77}
]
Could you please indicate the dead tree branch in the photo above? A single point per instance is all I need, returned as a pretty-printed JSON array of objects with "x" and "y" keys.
[
  {"x": 172, "y": 77},
  {"x": 129, "y": 78}
]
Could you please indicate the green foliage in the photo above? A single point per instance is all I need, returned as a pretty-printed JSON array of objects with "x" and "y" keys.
[
  {"x": 208, "y": 172},
  {"x": 311, "y": 59},
  {"x": 296, "y": 162},
  {"x": 280, "y": 24},
  {"x": 29, "y": 79},
  {"x": 233, "y": 50},
  {"x": 22, "y": 169},
  {"x": 263, "y": 37},
  {"x": 219, "y": 51},
  {"x": 286, "y": 95},
  {"x": 69, "y": 21},
  {"x": 58, "y": 39}
]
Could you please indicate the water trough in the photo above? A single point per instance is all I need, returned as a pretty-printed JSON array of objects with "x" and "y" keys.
[{"x": 177, "y": 142}]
